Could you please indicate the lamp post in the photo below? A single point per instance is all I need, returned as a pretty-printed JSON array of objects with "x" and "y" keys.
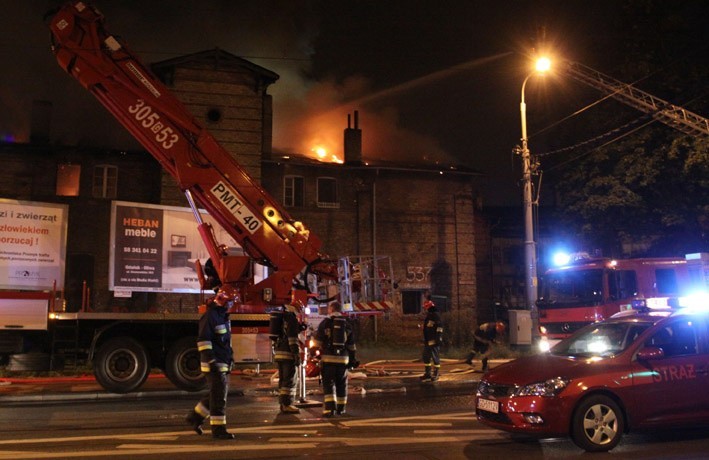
[{"x": 530, "y": 250}]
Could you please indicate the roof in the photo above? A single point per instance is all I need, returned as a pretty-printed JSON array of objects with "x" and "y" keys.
[
  {"x": 302, "y": 160},
  {"x": 218, "y": 59}
]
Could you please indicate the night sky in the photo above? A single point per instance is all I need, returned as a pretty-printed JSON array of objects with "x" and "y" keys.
[{"x": 433, "y": 81}]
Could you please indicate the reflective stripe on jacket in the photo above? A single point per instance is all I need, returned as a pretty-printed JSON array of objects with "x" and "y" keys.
[
  {"x": 286, "y": 348},
  {"x": 214, "y": 339},
  {"x": 323, "y": 340},
  {"x": 432, "y": 328}
]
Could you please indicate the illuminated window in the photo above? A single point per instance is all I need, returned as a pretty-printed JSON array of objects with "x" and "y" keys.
[
  {"x": 68, "y": 176},
  {"x": 105, "y": 183},
  {"x": 293, "y": 191},
  {"x": 327, "y": 193}
]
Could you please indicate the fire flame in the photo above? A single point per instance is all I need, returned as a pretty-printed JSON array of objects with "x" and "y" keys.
[{"x": 321, "y": 154}]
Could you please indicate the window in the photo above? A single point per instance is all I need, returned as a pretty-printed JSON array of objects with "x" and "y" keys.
[
  {"x": 68, "y": 179},
  {"x": 666, "y": 281},
  {"x": 105, "y": 181},
  {"x": 411, "y": 301},
  {"x": 676, "y": 339},
  {"x": 293, "y": 191},
  {"x": 574, "y": 288},
  {"x": 327, "y": 193},
  {"x": 622, "y": 284}
]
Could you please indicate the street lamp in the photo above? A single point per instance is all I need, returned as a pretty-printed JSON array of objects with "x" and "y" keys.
[{"x": 530, "y": 250}]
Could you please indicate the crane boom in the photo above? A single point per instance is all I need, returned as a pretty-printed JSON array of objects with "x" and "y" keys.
[
  {"x": 204, "y": 170},
  {"x": 672, "y": 115}
]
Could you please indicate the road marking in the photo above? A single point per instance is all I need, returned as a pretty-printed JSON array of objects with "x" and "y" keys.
[
  {"x": 170, "y": 435},
  {"x": 376, "y": 441},
  {"x": 145, "y": 449},
  {"x": 471, "y": 432},
  {"x": 422, "y": 429}
]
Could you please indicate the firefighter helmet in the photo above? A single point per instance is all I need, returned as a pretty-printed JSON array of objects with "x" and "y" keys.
[
  {"x": 428, "y": 304},
  {"x": 226, "y": 293},
  {"x": 500, "y": 327},
  {"x": 312, "y": 367}
]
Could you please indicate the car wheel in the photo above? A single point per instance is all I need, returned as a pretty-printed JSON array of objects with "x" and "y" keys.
[
  {"x": 182, "y": 365},
  {"x": 121, "y": 365},
  {"x": 597, "y": 424}
]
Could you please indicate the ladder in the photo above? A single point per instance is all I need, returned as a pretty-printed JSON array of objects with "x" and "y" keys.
[{"x": 665, "y": 112}]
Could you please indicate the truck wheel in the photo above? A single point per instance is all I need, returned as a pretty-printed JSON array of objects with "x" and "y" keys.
[
  {"x": 121, "y": 365},
  {"x": 597, "y": 424},
  {"x": 182, "y": 365}
]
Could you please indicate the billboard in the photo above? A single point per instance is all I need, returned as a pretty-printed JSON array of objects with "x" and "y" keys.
[
  {"x": 32, "y": 244},
  {"x": 154, "y": 248}
]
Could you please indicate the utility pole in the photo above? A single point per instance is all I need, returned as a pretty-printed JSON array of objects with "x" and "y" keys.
[{"x": 530, "y": 247}]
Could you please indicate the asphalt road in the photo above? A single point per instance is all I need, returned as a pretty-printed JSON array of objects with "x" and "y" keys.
[{"x": 402, "y": 419}]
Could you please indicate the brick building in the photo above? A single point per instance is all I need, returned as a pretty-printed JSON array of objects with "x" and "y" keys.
[{"x": 427, "y": 219}]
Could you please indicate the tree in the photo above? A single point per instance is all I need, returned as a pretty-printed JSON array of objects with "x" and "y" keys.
[{"x": 647, "y": 192}]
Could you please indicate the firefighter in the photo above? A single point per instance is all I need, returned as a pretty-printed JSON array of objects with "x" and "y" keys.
[
  {"x": 216, "y": 358},
  {"x": 336, "y": 341},
  {"x": 284, "y": 330},
  {"x": 432, "y": 339},
  {"x": 483, "y": 337}
]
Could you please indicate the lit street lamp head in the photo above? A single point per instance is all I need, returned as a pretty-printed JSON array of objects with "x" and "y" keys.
[{"x": 543, "y": 64}]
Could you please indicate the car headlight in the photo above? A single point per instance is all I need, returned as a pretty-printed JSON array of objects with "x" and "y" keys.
[{"x": 551, "y": 387}]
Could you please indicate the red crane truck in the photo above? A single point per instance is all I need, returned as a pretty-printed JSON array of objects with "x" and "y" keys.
[{"x": 124, "y": 346}]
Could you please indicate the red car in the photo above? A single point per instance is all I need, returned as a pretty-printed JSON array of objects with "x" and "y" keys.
[{"x": 638, "y": 369}]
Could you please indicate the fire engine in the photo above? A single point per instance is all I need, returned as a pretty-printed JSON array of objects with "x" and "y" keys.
[
  {"x": 124, "y": 346},
  {"x": 591, "y": 290},
  {"x": 586, "y": 290}
]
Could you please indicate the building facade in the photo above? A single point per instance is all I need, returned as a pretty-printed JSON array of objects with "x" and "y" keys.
[{"x": 426, "y": 219}]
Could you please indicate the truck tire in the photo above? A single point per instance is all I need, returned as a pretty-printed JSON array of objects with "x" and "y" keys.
[
  {"x": 121, "y": 365},
  {"x": 182, "y": 365}
]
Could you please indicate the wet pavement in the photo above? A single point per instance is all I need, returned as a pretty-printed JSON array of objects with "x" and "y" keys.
[{"x": 371, "y": 377}]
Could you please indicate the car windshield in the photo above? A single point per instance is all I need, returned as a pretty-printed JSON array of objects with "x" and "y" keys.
[
  {"x": 600, "y": 340},
  {"x": 572, "y": 288}
]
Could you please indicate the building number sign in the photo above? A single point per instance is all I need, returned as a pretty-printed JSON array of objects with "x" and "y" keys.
[{"x": 416, "y": 274}]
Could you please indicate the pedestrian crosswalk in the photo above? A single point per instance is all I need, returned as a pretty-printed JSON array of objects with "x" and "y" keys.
[{"x": 297, "y": 438}]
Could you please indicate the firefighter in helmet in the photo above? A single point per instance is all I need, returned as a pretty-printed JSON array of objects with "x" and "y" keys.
[
  {"x": 432, "y": 339},
  {"x": 336, "y": 341},
  {"x": 484, "y": 336},
  {"x": 216, "y": 358},
  {"x": 284, "y": 328}
]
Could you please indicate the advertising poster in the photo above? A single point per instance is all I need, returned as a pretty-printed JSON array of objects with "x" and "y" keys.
[
  {"x": 155, "y": 248},
  {"x": 138, "y": 243},
  {"x": 32, "y": 244}
]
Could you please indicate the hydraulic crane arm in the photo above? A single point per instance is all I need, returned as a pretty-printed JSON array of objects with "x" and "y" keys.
[
  {"x": 677, "y": 117},
  {"x": 203, "y": 169}
]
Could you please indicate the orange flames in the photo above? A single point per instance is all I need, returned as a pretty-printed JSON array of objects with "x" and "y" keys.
[{"x": 321, "y": 153}]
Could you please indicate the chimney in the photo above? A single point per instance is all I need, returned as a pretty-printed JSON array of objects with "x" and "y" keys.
[
  {"x": 40, "y": 122},
  {"x": 353, "y": 141}
]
